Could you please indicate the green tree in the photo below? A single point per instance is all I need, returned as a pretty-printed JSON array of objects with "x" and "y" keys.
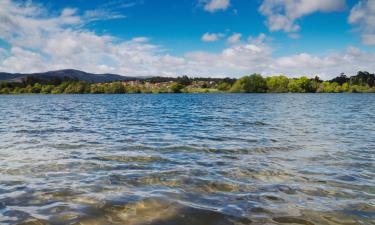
[
  {"x": 4, "y": 84},
  {"x": 224, "y": 86},
  {"x": 241, "y": 85},
  {"x": 257, "y": 84},
  {"x": 176, "y": 87},
  {"x": 363, "y": 79},
  {"x": 5, "y": 90},
  {"x": 16, "y": 90},
  {"x": 96, "y": 89},
  {"x": 250, "y": 84},
  {"x": 133, "y": 89},
  {"x": 36, "y": 88},
  {"x": 117, "y": 88},
  {"x": 184, "y": 80},
  {"x": 303, "y": 85},
  {"x": 277, "y": 84},
  {"x": 47, "y": 89},
  {"x": 328, "y": 87},
  {"x": 294, "y": 86},
  {"x": 345, "y": 87},
  {"x": 80, "y": 87}
]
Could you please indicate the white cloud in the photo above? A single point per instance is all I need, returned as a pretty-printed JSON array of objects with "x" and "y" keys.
[
  {"x": 40, "y": 42},
  {"x": 282, "y": 14},
  {"x": 26, "y": 26},
  {"x": 234, "y": 38},
  {"x": 211, "y": 37},
  {"x": 258, "y": 40},
  {"x": 100, "y": 14},
  {"x": 22, "y": 60},
  {"x": 351, "y": 61},
  {"x": 363, "y": 15},
  {"x": 140, "y": 39},
  {"x": 216, "y": 5}
]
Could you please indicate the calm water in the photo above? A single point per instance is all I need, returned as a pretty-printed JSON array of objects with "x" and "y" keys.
[{"x": 187, "y": 159}]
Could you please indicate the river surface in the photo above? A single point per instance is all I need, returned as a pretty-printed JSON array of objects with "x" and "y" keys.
[{"x": 186, "y": 159}]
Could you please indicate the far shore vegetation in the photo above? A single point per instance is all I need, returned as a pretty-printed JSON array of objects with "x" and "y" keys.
[{"x": 363, "y": 82}]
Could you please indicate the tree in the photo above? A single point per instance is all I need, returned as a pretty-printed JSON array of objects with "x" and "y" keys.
[
  {"x": 363, "y": 79},
  {"x": 184, "y": 80},
  {"x": 4, "y": 84},
  {"x": 294, "y": 86},
  {"x": 96, "y": 89},
  {"x": 36, "y": 88},
  {"x": 117, "y": 88},
  {"x": 5, "y": 90},
  {"x": 47, "y": 89},
  {"x": 327, "y": 87},
  {"x": 277, "y": 84},
  {"x": 250, "y": 84},
  {"x": 303, "y": 85},
  {"x": 176, "y": 87},
  {"x": 240, "y": 86},
  {"x": 257, "y": 84},
  {"x": 340, "y": 79},
  {"x": 80, "y": 87},
  {"x": 345, "y": 87},
  {"x": 224, "y": 86}
]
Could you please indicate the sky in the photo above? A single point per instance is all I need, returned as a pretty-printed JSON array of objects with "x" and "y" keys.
[{"x": 211, "y": 38}]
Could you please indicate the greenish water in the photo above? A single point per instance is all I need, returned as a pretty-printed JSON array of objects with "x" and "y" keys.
[{"x": 187, "y": 159}]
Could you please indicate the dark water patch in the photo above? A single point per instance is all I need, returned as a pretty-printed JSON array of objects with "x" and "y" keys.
[
  {"x": 292, "y": 220},
  {"x": 253, "y": 123},
  {"x": 14, "y": 216},
  {"x": 128, "y": 159},
  {"x": 280, "y": 188},
  {"x": 33, "y": 221},
  {"x": 260, "y": 210},
  {"x": 160, "y": 212},
  {"x": 272, "y": 198}
]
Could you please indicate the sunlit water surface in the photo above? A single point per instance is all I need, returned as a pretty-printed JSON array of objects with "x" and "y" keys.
[{"x": 187, "y": 159}]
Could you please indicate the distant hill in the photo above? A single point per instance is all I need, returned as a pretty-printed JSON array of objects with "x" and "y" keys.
[{"x": 80, "y": 75}]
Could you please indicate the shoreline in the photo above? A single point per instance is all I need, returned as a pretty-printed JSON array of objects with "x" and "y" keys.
[
  {"x": 190, "y": 93},
  {"x": 362, "y": 83}
]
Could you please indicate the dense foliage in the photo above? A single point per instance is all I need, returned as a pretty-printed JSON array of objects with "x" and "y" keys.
[{"x": 363, "y": 82}]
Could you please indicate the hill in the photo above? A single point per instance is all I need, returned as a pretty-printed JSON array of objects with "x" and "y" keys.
[{"x": 80, "y": 75}]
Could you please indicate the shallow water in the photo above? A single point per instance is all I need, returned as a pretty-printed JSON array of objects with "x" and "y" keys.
[{"x": 187, "y": 159}]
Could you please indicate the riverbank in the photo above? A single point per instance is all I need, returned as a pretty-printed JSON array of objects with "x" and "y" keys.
[{"x": 363, "y": 82}]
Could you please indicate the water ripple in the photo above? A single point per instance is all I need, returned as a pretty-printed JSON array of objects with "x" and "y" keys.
[{"x": 226, "y": 159}]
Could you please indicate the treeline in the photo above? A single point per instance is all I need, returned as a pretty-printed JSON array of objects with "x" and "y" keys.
[
  {"x": 188, "y": 80},
  {"x": 363, "y": 82}
]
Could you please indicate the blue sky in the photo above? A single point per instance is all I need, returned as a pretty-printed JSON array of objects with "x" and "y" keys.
[
  {"x": 179, "y": 25},
  {"x": 194, "y": 37}
]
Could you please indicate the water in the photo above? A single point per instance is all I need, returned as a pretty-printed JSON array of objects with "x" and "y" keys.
[{"x": 187, "y": 159}]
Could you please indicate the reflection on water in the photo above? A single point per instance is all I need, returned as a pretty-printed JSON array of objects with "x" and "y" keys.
[{"x": 187, "y": 159}]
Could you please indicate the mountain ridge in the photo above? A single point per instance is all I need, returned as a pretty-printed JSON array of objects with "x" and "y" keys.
[{"x": 72, "y": 73}]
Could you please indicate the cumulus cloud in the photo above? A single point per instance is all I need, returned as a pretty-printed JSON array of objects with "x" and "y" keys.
[
  {"x": 350, "y": 61},
  {"x": 211, "y": 37},
  {"x": 216, "y": 5},
  {"x": 40, "y": 42},
  {"x": 363, "y": 15},
  {"x": 234, "y": 38},
  {"x": 283, "y": 14}
]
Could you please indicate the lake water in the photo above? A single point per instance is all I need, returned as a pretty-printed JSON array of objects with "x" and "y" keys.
[{"x": 187, "y": 159}]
